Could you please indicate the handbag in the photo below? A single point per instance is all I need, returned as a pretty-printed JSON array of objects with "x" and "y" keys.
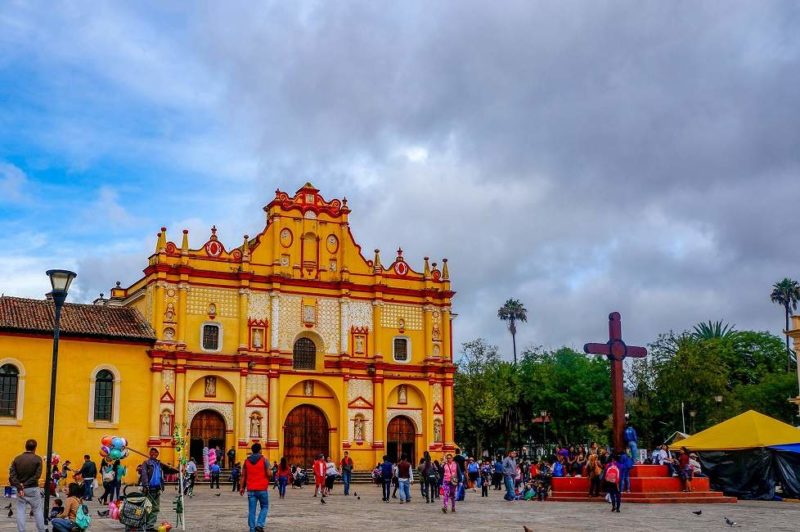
[{"x": 453, "y": 477}]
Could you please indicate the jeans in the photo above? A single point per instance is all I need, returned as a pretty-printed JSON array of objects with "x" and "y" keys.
[
  {"x": 509, "y": 482},
  {"x": 625, "y": 481},
  {"x": 33, "y": 497},
  {"x": 405, "y": 490},
  {"x": 613, "y": 491},
  {"x": 387, "y": 488},
  {"x": 634, "y": 448},
  {"x": 61, "y": 524},
  {"x": 88, "y": 488},
  {"x": 346, "y": 481},
  {"x": 262, "y": 499},
  {"x": 282, "y": 481}
]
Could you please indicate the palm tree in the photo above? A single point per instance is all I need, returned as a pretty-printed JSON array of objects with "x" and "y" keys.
[
  {"x": 786, "y": 293},
  {"x": 715, "y": 329},
  {"x": 512, "y": 312}
]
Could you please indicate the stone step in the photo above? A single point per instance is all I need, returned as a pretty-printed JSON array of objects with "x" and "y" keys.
[{"x": 651, "y": 498}]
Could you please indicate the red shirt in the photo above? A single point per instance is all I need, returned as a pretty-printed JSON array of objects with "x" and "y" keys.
[{"x": 319, "y": 468}]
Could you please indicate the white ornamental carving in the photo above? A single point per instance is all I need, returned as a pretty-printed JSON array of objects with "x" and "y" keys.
[
  {"x": 437, "y": 394},
  {"x": 168, "y": 380},
  {"x": 328, "y": 323},
  {"x": 290, "y": 321},
  {"x": 226, "y": 301},
  {"x": 410, "y": 315},
  {"x": 414, "y": 415},
  {"x": 360, "y": 314},
  {"x": 224, "y": 409},
  {"x": 256, "y": 385},
  {"x": 258, "y": 308},
  {"x": 359, "y": 388}
]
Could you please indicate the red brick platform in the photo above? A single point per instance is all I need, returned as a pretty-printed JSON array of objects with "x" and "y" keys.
[{"x": 649, "y": 484}]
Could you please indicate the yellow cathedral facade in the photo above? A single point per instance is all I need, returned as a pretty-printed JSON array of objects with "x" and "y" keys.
[{"x": 293, "y": 339}]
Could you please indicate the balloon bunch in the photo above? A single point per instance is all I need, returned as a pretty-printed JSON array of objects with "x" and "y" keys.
[
  {"x": 54, "y": 460},
  {"x": 113, "y": 448}
]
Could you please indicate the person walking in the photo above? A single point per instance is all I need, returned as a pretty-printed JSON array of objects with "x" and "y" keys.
[
  {"x": 486, "y": 474},
  {"x": 451, "y": 480},
  {"x": 612, "y": 478},
  {"x": 88, "y": 473},
  {"x": 386, "y": 477},
  {"x": 107, "y": 476},
  {"x": 231, "y": 457},
  {"x": 497, "y": 476},
  {"x": 24, "y": 474},
  {"x": 284, "y": 472},
  {"x": 405, "y": 477},
  {"x": 685, "y": 470},
  {"x": 509, "y": 473},
  {"x": 219, "y": 455},
  {"x": 429, "y": 478},
  {"x": 236, "y": 473},
  {"x": 255, "y": 479},
  {"x": 151, "y": 478},
  {"x": 319, "y": 475},
  {"x": 632, "y": 441},
  {"x": 625, "y": 464},
  {"x": 330, "y": 474},
  {"x": 347, "y": 471},
  {"x": 214, "y": 476},
  {"x": 593, "y": 471}
]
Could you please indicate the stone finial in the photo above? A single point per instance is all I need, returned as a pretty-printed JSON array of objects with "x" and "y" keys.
[
  {"x": 246, "y": 248},
  {"x": 377, "y": 262},
  {"x": 161, "y": 243},
  {"x": 185, "y": 242},
  {"x": 445, "y": 271},
  {"x": 427, "y": 271},
  {"x": 399, "y": 252},
  {"x": 213, "y": 232}
]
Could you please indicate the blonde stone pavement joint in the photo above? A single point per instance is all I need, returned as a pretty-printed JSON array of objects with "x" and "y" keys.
[{"x": 300, "y": 511}]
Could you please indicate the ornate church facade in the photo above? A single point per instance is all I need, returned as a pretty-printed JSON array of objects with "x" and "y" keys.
[{"x": 296, "y": 340}]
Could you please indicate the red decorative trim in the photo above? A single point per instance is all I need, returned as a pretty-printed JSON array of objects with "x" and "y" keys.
[
  {"x": 335, "y": 208},
  {"x": 166, "y": 397},
  {"x": 359, "y": 401},
  {"x": 377, "y": 445},
  {"x": 207, "y": 401},
  {"x": 257, "y": 400},
  {"x": 437, "y": 409}
]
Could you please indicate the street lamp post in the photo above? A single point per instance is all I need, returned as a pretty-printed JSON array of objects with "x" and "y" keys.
[
  {"x": 544, "y": 425},
  {"x": 692, "y": 413},
  {"x": 60, "y": 281},
  {"x": 718, "y": 401}
]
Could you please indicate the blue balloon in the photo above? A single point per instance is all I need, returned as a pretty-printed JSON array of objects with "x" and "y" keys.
[{"x": 118, "y": 443}]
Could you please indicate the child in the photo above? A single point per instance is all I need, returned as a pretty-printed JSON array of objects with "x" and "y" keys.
[
  {"x": 486, "y": 474},
  {"x": 235, "y": 473},
  {"x": 58, "y": 507}
]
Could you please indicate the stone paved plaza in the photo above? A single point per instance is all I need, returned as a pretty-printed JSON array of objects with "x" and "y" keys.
[{"x": 299, "y": 511}]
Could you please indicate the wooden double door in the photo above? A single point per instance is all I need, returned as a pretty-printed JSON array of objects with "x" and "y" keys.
[
  {"x": 207, "y": 430},
  {"x": 400, "y": 437},
  {"x": 305, "y": 435}
]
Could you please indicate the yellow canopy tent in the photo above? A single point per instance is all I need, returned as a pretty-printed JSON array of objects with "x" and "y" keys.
[{"x": 745, "y": 431}]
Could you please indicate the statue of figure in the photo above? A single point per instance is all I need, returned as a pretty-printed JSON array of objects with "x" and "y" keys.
[
  {"x": 402, "y": 397},
  {"x": 166, "y": 423},
  {"x": 257, "y": 338},
  {"x": 437, "y": 431},
  {"x": 435, "y": 333},
  {"x": 358, "y": 429},
  {"x": 308, "y": 388},
  {"x": 360, "y": 345},
  {"x": 211, "y": 386},
  {"x": 255, "y": 426},
  {"x": 308, "y": 314}
]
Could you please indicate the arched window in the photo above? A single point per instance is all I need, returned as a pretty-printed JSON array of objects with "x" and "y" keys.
[
  {"x": 305, "y": 354},
  {"x": 9, "y": 388},
  {"x": 104, "y": 396},
  {"x": 401, "y": 349}
]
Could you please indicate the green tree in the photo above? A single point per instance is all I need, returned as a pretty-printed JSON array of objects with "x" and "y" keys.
[
  {"x": 786, "y": 293},
  {"x": 715, "y": 329},
  {"x": 769, "y": 396},
  {"x": 513, "y": 311}
]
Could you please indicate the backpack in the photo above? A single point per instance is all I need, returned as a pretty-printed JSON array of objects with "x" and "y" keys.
[
  {"x": 108, "y": 475},
  {"x": 82, "y": 519},
  {"x": 432, "y": 474},
  {"x": 612, "y": 474},
  {"x": 473, "y": 467}
]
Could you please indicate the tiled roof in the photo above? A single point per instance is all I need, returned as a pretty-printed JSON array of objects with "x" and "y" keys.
[{"x": 36, "y": 315}]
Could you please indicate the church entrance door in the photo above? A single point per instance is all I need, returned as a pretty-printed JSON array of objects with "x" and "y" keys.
[
  {"x": 400, "y": 439},
  {"x": 207, "y": 430},
  {"x": 305, "y": 435}
]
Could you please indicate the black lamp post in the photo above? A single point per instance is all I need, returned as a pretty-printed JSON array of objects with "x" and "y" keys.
[
  {"x": 544, "y": 425},
  {"x": 692, "y": 413},
  {"x": 60, "y": 281}
]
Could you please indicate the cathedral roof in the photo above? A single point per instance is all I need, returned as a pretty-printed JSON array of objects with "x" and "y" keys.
[{"x": 36, "y": 316}]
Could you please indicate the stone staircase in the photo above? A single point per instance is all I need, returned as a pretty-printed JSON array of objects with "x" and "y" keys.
[
  {"x": 649, "y": 484},
  {"x": 358, "y": 477}
]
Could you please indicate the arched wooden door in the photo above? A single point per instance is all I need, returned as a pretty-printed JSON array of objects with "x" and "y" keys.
[
  {"x": 400, "y": 439},
  {"x": 305, "y": 435},
  {"x": 207, "y": 430}
]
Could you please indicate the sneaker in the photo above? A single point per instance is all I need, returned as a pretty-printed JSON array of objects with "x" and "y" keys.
[
  {"x": 259, "y": 529},
  {"x": 444, "y": 510}
]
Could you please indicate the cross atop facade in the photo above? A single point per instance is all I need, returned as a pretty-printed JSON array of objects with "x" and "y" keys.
[{"x": 616, "y": 350}]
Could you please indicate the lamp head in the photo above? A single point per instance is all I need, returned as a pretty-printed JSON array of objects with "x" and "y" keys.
[
  {"x": 718, "y": 398},
  {"x": 61, "y": 280}
]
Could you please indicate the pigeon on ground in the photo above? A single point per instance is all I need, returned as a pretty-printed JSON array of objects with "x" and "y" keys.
[
  {"x": 322, "y": 500},
  {"x": 218, "y": 494},
  {"x": 10, "y": 512},
  {"x": 698, "y": 512},
  {"x": 526, "y": 529},
  {"x": 359, "y": 498},
  {"x": 102, "y": 513},
  {"x": 8, "y": 507},
  {"x": 729, "y": 522},
  {"x": 355, "y": 493}
]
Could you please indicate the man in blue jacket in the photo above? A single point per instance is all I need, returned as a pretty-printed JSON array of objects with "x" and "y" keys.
[
  {"x": 386, "y": 478},
  {"x": 632, "y": 440}
]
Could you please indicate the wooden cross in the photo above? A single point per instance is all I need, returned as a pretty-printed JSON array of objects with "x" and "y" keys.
[{"x": 616, "y": 350}]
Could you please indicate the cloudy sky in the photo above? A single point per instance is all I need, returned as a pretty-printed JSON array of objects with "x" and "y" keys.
[{"x": 583, "y": 157}]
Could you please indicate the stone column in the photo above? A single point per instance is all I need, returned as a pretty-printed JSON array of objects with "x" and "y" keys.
[
  {"x": 379, "y": 414},
  {"x": 183, "y": 289},
  {"x": 155, "y": 399},
  {"x": 241, "y": 414},
  {"x": 273, "y": 425},
  {"x": 344, "y": 312},
  {"x": 158, "y": 309},
  {"x": 180, "y": 394},
  {"x": 449, "y": 422},
  {"x": 244, "y": 300},
  {"x": 427, "y": 314},
  {"x": 376, "y": 336},
  {"x": 275, "y": 304},
  {"x": 447, "y": 337}
]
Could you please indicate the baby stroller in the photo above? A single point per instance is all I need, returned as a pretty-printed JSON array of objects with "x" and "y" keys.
[{"x": 135, "y": 509}]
